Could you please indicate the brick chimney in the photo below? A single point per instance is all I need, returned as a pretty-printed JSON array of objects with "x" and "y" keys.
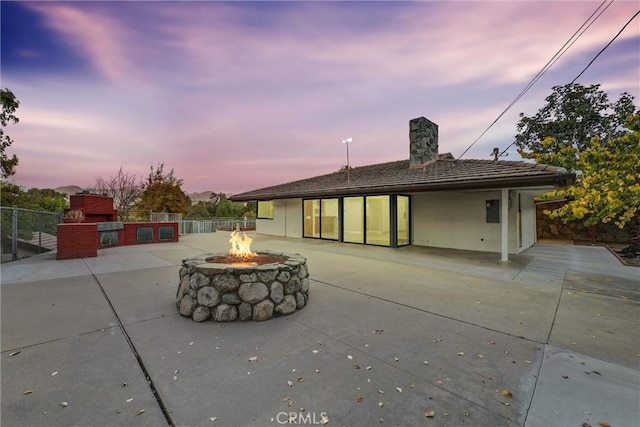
[{"x": 423, "y": 141}]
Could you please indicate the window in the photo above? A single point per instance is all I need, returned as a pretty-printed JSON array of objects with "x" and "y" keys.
[
  {"x": 265, "y": 209},
  {"x": 493, "y": 211}
]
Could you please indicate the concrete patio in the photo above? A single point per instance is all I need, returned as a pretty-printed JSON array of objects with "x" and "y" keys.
[{"x": 389, "y": 335}]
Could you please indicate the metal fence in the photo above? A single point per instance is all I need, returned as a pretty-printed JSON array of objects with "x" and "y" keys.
[
  {"x": 25, "y": 232},
  {"x": 194, "y": 226},
  {"x": 165, "y": 217}
]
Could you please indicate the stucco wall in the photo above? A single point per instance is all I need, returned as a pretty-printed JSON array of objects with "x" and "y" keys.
[
  {"x": 446, "y": 220},
  {"x": 458, "y": 221},
  {"x": 287, "y": 219},
  {"x": 528, "y": 218}
]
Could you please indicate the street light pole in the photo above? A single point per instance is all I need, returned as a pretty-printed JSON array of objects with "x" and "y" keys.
[{"x": 346, "y": 142}]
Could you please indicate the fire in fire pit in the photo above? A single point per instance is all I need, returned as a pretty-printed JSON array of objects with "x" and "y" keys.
[
  {"x": 241, "y": 254},
  {"x": 242, "y": 284},
  {"x": 240, "y": 246}
]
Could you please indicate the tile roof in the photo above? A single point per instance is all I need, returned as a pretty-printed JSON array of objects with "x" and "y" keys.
[{"x": 444, "y": 173}]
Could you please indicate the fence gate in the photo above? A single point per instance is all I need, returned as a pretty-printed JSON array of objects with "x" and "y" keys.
[{"x": 25, "y": 232}]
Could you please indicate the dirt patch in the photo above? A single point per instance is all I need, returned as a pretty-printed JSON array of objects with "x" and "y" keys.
[{"x": 618, "y": 249}]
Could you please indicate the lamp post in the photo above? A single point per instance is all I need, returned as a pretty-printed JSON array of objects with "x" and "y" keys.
[{"x": 346, "y": 142}]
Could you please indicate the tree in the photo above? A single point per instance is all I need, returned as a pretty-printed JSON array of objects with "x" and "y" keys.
[
  {"x": 9, "y": 193},
  {"x": 163, "y": 193},
  {"x": 124, "y": 188},
  {"x": 42, "y": 199},
  {"x": 9, "y": 106},
  {"x": 201, "y": 210},
  {"x": 37, "y": 199},
  {"x": 223, "y": 207},
  {"x": 219, "y": 206},
  {"x": 572, "y": 116},
  {"x": 608, "y": 189}
]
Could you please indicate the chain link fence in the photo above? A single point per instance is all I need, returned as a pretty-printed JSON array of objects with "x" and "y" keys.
[{"x": 25, "y": 232}]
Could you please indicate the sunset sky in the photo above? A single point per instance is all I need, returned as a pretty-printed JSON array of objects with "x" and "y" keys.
[{"x": 236, "y": 96}]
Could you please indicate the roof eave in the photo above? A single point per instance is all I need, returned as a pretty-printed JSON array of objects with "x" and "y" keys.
[{"x": 526, "y": 181}]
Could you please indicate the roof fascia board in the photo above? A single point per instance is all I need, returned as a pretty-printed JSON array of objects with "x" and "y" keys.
[{"x": 520, "y": 182}]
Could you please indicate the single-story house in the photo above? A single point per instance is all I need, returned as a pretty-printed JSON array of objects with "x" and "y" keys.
[{"x": 431, "y": 199}]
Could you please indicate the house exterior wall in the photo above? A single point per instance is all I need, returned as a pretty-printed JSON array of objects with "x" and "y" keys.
[
  {"x": 458, "y": 221},
  {"x": 287, "y": 219},
  {"x": 528, "y": 218},
  {"x": 440, "y": 219}
]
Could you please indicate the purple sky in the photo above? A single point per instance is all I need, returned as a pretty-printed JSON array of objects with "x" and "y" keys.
[{"x": 236, "y": 96}]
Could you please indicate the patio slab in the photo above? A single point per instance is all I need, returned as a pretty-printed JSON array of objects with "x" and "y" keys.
[
  {"x": 41, "y": 267},
  {"x": 518, "y": 309},
  {"x": 595, "y": 392},
  {"x": 599, "y": 326},
  {"x": 483, "y": 326},
  {"x": 88, "y": 373},
  {"x": 138, "y": 295},
  {"x": 38, "y": 312},
  {"x": 327, "y": 367}
]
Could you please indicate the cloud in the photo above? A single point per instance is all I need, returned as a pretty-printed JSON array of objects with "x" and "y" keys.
[
  {"x": 99, "y": 36},
  {"x": 208, "y": 87}
]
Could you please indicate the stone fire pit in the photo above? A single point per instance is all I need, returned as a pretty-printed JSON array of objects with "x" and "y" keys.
[{"x": 223, "y": 287}]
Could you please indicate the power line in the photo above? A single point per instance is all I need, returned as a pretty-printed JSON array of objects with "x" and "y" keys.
[
  {"x": 588, "y": 65},
  {"x": 604, "y": 48},
  {"x": 585, "y": 25}
]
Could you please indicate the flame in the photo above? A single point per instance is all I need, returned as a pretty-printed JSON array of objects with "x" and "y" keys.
[{"x": 240, "y": 245}]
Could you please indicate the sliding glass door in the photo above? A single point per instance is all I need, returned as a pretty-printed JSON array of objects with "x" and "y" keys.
[
  {"x": 353, "y": 215},
  {"x": 378, "y": 221},
  {"x": 329, "y": 224},
  {"x": 373, "y": 220},
  {"x": 311, "y": 214},
  {"x": 402, "y": 220}
]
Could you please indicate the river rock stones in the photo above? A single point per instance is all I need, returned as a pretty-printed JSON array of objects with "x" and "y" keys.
[{"x": 226, "y": 292}]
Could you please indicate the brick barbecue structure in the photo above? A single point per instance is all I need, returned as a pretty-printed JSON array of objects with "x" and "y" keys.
[{"x": 91, "y": 223}]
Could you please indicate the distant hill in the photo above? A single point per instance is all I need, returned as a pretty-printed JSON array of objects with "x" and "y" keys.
[
  {"x": 69, "y": 189},
  {"x": 202, "y": 196}
]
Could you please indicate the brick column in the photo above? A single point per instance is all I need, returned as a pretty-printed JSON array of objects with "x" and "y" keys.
[{"x": 77, "y": 240}]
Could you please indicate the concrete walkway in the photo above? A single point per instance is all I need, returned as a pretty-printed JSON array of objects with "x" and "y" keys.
[{"x": 389, "y": 335}]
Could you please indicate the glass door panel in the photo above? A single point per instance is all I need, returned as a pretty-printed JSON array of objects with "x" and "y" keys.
[
  {"x": 402, "y": 216},
  {"x": 353, "y": 217},
  {"x": 329, "y": 213},
  {"x": 311, "y": 218},
  {"x": 378, "y": 221}
]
